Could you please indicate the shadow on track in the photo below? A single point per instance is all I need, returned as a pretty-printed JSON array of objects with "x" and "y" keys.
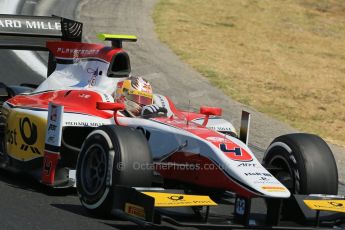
[
  {"x": 76, "y": 209},
  {"x": 111, "y": 221},
  {"x": 25, "y": 182},
  {"x": 135, "y": 227}
]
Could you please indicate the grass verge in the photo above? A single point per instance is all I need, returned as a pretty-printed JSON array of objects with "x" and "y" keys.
[{"x": 286, "y": 58}]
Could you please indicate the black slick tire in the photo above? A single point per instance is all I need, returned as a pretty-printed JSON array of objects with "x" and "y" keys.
[
  {"x": 111, "y": 155},
  {"x": 304, "y": 163}
]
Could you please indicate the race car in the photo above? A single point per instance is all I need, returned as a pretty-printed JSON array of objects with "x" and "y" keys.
[{"x": 69, "y": 131}]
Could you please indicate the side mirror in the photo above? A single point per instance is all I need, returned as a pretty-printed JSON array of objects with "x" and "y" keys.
[
  {"x": 208, "y": 111},
  {"x": 216, "y": 111},
  {"x": 111, "y": 106}
]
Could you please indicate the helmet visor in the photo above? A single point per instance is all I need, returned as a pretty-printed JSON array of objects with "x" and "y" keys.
[{"x": 139, "y": 97}]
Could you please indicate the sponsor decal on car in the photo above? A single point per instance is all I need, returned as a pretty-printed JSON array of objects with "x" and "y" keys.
[
  {"x": 93, "y": 79},
  {"x": 54, "y": 128},
  {"x": 83, "y": 123},
  {"x": 265, "y": 181},
  {"x": 326, "y": 205},
  {"x": 29, "y": 24},
  {"x": 219, "y": 128},
  {"x": 250, "y": 165},
  {"x": 261, "y": 178},
  {"x": 218, "y": 139},
  {"x": 80, "y": 52},
  {"x": 83, "y": 95},
  {"x": 135, "y": 210},
  {"x": 258, "y": 174},
  {"x": 179, "y": 200},
  {"x": 28, "y": 132},
  {"x": 25, "y": 136},
  {"x": 52, "y": 143},
  {"x": 274, "y": 188}
]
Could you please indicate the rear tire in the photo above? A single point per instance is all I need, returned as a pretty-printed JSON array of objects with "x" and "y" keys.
[
  {"x": 306, "y": 164},
  {"x": 111, "y": 155}
]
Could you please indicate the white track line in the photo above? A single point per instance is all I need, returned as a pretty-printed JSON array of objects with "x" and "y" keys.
[{"x": 28, "y": 57}]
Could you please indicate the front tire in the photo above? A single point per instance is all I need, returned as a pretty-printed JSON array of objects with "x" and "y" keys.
[
  {"x": 111, "y": 155},
  {"x": 303, "y": 163}
]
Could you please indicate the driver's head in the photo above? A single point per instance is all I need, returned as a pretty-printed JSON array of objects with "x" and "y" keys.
[{"x": 135, "y": 92}]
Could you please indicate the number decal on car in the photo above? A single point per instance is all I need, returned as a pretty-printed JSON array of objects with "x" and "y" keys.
[{"x": 234, "y": 152}]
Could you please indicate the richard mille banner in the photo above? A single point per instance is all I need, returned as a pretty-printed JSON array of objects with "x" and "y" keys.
[
  {"x": 32, "y": 32},
  {"x": 30, "y": 25}
]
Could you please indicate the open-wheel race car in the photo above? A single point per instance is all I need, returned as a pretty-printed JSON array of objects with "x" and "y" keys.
[{"x": 69, "y": 131}]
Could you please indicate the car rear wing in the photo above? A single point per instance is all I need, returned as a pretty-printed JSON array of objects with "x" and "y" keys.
[
  {"x": 22, "y": 32},
  {"x": 32, "y": 32}
]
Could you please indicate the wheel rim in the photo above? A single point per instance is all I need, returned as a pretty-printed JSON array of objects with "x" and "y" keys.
[
  {"x": 93, "y": 173},
  {"x": 285, "y": 174}
]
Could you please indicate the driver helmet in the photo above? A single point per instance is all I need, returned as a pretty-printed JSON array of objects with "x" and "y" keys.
[{"x": 135, "y": 92}]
